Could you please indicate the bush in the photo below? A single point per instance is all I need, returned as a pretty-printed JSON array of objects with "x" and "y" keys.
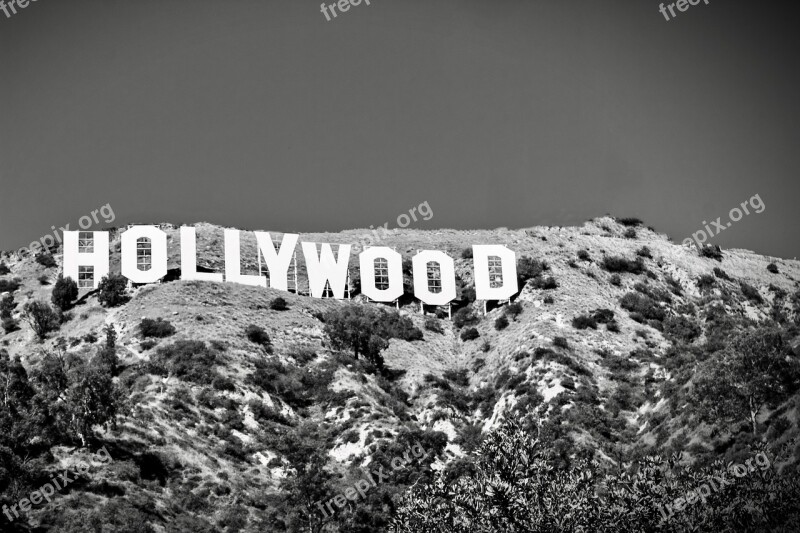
[
  {"x": 706, "y": 282},
  {"x": 721, "y": 274},
  {"x": 432, "y": 324},
  {"x": 46, "y": 259},
  {"x": 464, "y": 317},
  {"x": 188, "y": 360},
  {"x": 682, "y": 329},
  {"x": 630, "y": 233},
  {"x": 513, "y": 310},
  {"x": 466, "y": 253},
  {"x": 561, "y": 342},
  {"x": 257, "y": 335},
  {"x": 620, "y": 264},
  {"x": 630, "y": 221},
  {"x": 4, "y": 269},
  {"x": 501, "y": 323},
  {"x": 65, "y": 292},
  {"x": 711, "y": 251},
  {"x": 645, "y": 252},
  {"x": 751, "y": 293},
  {"x": 613, "y": 326},
  {"x": 603, "y": 316},
  {"x": 9, "y": 285},
  {"x": 615, "y": 280},
  {"x": 158, "y": 328},
  {"x": 549, "y": 299},
  {"x": 278, "y": 304},
  {"x": 469, "y": 334},
  {"x": 642, "y": 305},
  {"x": 528, "y": 268},
  {"x": 772, "y": 267},
  {"x": 7, "y": 306},
  {"x": 146, "y": 345},
  {"x": 9, "y": 324},
  {"x": 41, "y": 318},
  {"x": 44, "y": 279},
  {"x": 548, "y": 283},
  {"x": 583, "y": 255},
  {"x": 584, "y": 322},
  {"x": 112, "y": 290}
]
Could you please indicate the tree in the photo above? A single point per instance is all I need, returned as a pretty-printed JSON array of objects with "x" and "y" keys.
[
  {"x": 112, "y": 290},
  {"x": 41, "y": 318},
  {"x": 7, "y": 306},
  {"x": 756, "y": 369},
  {"x": 65, "y": 292}
]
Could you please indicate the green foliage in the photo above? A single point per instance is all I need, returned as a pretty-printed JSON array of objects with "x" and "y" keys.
[
  {"x": 7, "y": 306},
  {"x": 706, "y": 282},
  {"x": 278, "y": 304},
  {"x": 513, "y": 310},
  {"x": 465, "y": 317},
  {"x": 111, "y": 290},
  {"x": 616, "y": 280},
  {"x": 501, "y": 323},
  {"x": 721, "y": 274},
  {"x": 681, "y": 329},
  {"x": 158, "y": 328},
  {"x": 466, "y": 253},
  {"x": 712, "y": 251},
  {"x": 529, "y": 268},
  {"x": 192, "y": 361},
  {"x": 561, "y": 342},
  {"x": 630, "y": 233},
  {"x": 65, "y": 292},
  {"x": 642, "y": 305},
  {"x": 41, "y": 318},
  {"x": 751, "y": 293},
  {"x": 469, "y": 334}
]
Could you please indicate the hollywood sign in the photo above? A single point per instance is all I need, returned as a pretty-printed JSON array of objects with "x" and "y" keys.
[{"x": 323, "y": 267}]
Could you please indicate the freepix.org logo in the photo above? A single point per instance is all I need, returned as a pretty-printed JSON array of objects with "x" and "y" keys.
[{"x": 10, "y": 7}]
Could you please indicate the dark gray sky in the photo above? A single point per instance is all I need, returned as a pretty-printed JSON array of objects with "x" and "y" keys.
[{"x": 261, "y": 114}]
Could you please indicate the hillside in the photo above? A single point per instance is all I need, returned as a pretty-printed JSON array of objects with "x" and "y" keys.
[{"x": 217, "y": 430}]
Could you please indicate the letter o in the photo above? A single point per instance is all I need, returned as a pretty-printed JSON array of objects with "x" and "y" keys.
[
  {"x": 80, "y": 222},
  {"x": 399, "y": 462},
  {"x": 158, "y": 249},
  {"x": 737, "y": 219},
  {"x": 739, "y": 470},
  {"x": 408, "y": 219},
  {"x": 447, "y": 270}
]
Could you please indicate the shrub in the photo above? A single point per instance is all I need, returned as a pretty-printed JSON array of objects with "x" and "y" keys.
[
  {"x": 613, "y": 326},
  {"x": 278, "y": 304},
  {"x": 528, "y": 268},
  {"x": 513, "y": 310},
  {"x": 302, "y": 354},
  {"x": 772, "y": 267},
  {"x": 46, "y": 259},
  {"x": 7, "y": 306},
  {"x": 681, "y": 328},
  {"x": 147, "y": 344},
  {"x": 112, "y": 290},
  {"x": 469, "y": 334},
  {"x": 615, "y": 280},
  {"x": 41, "y": 318},
  {"x": 561, "y": 342},
  {"x": 721, "y": 274},
  {"x": 630, "y": 233},
  {"x": 188, "y": 360},
  {"x": 4, "y": 269},
  {"x": 620, "y": 264},
  {"x": 257, "y": 335},
  {"x": 466, "y": 253},
  {"x": 432, "y": 324},
  {"x": 459, "y": 377},
  {"x": 630, "y": 221},
  {"x": 711, "y": 251},
  {"x": 583, "y": 255},
  {"x": 549, "y": 299},
  {"x": 9, "y": 285},
  {"x": 158, "y": 328},
  {"x": 603, "y": 316},
  {"x": 464, "y": 317},
  {"x": 485, "y": 347},
  {"x": 644, "y": 251},
  {"x": 584, "y": 322},
  {"x": 642, "y": 305},
  {"x": 501, "y": 323},
  {"x": 548, "y": 283},
  {"x": 751, "y": 293},
  {"x": 65, "y": 292},
  {"x": 9, "y": 324}
]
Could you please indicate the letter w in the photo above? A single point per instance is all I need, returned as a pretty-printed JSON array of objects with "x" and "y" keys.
[{"x": 325, "y": 268}]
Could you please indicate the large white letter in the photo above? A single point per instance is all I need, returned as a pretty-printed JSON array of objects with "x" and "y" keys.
[
  {"x": 189, "y": 258},
  {"x": 277, "y": 262},
  {"x": 508, "y": 264},
  {"x": 158, "y": 254},
  {"x": 98, "y": 259},
  {"x": 326, "y": 267},
  {"x": 447, "y": 271},
  {"x": 233, "y": 267},
  {"x": 394, "y": 264}
]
